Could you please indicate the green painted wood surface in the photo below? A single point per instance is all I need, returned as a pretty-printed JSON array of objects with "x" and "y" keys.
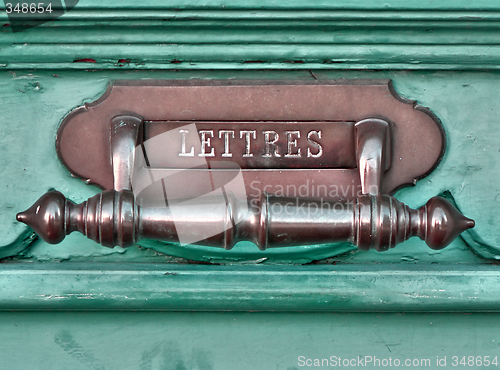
[
  {"x": 217, "y": 341},
  {"x": 185, "y": 287},
  {"x": 217, "y": 35},
  {"x": 443, "y": 55},
  {"x": 131, "y": 5},
  {"x": 216, "y": 56}
]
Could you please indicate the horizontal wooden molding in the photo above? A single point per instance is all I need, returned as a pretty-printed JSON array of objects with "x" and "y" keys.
[
  {"x": 169, "y": 287},
  {"x": 89, "y": 37},
  {"x": 171, "y": 13},
  {"x": 295, "y": 4}
]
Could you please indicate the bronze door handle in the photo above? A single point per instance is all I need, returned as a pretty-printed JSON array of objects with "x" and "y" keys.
[{"x": 376, "y": 222}]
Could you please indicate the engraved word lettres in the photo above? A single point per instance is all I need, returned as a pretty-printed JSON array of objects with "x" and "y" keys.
[{"x": 258, "y": 144}]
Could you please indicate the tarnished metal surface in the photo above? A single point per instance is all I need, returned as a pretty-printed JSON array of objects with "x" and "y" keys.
[
  {"x": 373, "y": 153},
  {"x": 370, "y": 222},
  {"x": 270, "y": 109},
  {"x": 123, "y": 140}
]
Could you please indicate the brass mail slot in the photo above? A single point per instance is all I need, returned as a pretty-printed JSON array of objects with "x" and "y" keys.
[{"x": 208, "y": 163}]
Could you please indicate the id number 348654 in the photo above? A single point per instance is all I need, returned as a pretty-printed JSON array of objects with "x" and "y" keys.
[
  {"x": 28, "y": 8},
  {"x": 474, "y": 361}
]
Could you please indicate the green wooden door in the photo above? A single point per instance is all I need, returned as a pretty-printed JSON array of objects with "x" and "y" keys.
[{"x": 79, "y": 305}]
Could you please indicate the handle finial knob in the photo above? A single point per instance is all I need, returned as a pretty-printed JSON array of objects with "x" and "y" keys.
[
  {"x": 443, "y": 223},
  {"x": 47, "y": 217}
]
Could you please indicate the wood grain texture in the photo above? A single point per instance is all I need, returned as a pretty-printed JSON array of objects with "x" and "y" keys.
[
  {"x": 232, "y": 36},
  {"x": 295, "y": 4},
  {"x": 349, "y": 288}
]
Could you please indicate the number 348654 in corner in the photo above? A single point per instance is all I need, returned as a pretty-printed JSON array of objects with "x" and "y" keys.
[
  {"x": 468, "y": 361},
  {"x": 28, "y": 8},
  {"x": 24, "y": 15}
]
